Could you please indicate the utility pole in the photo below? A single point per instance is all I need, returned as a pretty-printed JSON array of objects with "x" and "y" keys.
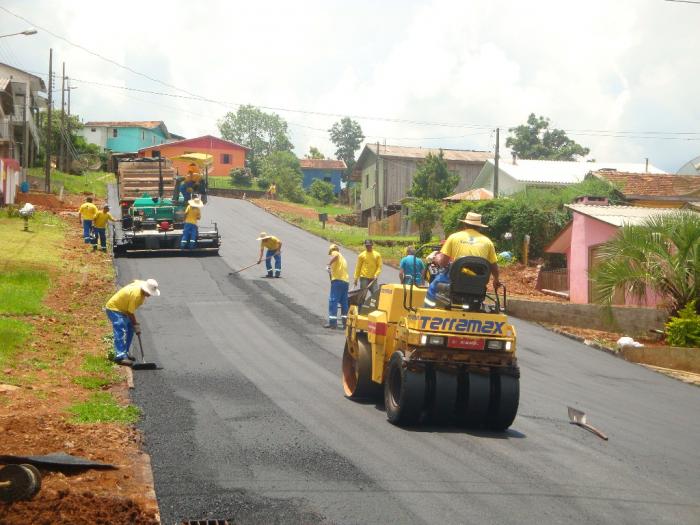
[
  {"x": 25, "y": 146},
  {"x": 495, "y": 166},
  {"x": 62, "y": 158},
  {"x": 376, "y": 185},
  {"x": 47, "y": 163}
]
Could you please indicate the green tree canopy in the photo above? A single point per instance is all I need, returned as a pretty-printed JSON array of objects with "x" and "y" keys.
[
  {"x": 314, "y": 153},
  {"x": 433, "y": 180},
  {"x": 264, "y": 133},
  {"x": 282, "y": 168},
  {"x": 662, "y": 256},
  {"x": 322, "y": 191},
  {"x": 535, "y": 140},
  {"x": 425, "y": 213},
  {"x": 347, "y": 136}
]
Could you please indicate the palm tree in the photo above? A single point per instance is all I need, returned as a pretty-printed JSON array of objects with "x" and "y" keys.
[{"x": 661, "y": 255}]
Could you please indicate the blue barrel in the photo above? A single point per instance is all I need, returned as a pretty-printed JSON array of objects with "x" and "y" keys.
[{"x": 24, "y": 187}]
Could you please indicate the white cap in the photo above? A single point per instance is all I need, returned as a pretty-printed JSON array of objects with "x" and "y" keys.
[{"x": 150, "y": 286}]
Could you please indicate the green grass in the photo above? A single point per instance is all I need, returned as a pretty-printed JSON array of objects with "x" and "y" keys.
[
  {"x": 93, "y": 182},
  {"x": 227, "y": 183},
  {"x": 92, "y": 382},
  {"x": 101, "y": 373},
  {"x": 22, "y": 291},
  {"x": 13, "y": 334},
  {"x": 38, "y": 247},
  {"x": 102, "y": 407}
]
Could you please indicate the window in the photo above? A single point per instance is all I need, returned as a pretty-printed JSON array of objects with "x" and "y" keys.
[
  {"x": 143, "y": 135},
  {"x": 93, "y": 130},
  {"x": 153, "y": 139},
  {"x": 155, "y": 154},
  {"x": 115, "y": 133},
  {"x": 327, "y": 179},
  {"x": 225, "y": 158}
]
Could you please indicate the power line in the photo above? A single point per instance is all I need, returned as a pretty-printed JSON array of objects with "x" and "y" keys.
[{"x": 684, "y": 1}]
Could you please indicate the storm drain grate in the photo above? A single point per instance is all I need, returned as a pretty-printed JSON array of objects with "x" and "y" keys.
[{"x": 205, "y": 522}]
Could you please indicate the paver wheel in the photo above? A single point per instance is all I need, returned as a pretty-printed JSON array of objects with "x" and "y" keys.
[
  {"x": 404, "y": 392},
  {"x": 474, "y": 399},
  {"x": 444, "y": 396},
  {"x": 505, "y": 397},
  {"x": 357, "y": 371}
]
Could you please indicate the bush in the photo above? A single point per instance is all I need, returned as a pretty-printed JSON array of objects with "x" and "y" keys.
[
  {"x": 241, "y": 177},
  {"x": 425, "y": 213},
  {"x": 322, "y": 191},
  {"x": 684, "y": 329}
]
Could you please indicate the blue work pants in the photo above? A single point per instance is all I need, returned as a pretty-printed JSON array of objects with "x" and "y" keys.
[
  {"x": 277, "y": 256},
  {"x": 123, "y": 333},
  {"x": 101, "y": 234},
  {"x": 87, "y": 231},
  {"x": 339, "y": 296},
  {"x": 189, "y": 236}
]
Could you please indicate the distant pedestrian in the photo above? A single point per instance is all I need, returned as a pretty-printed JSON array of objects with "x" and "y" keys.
[
  {"x": 86, "y": 213},
  {"x": 189, "y": 228},
  {"x": 121, "y": 311},
  {"x": 274, "y": 251},
  {"x": 368, "y": 268},
  {"x": 411, "y": 268},
  {"x": 272, "y": 191},
  {"x": 99, "y": 224},
  {"x": 340, "y": 282}
]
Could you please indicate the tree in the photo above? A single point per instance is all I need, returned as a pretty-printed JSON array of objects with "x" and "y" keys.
[
  {"x": 282, "y": 168},
  {"x": 264, "y": 133},
  {"x": 433, "y": 180},
  {"x": 347, "y": 136},
  {"x": 535, "y": 140},
  {"x": 425, "y": 213},
  {"x": 662, "y": 256},
  {"x": 314, "y": 153},
  {"x": 322, "y": 191}
]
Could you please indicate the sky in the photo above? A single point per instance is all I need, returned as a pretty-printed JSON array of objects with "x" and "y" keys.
[{"x": 619, "y": 77}]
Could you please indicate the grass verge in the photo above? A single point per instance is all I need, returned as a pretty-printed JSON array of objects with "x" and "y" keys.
[
  {"x": 22, "y": 291},
  {"x": 102, "y": 407},
  {"x": 13, "y": 335},
  {"x": 93, "y": 182},
  {"x": 101, "y": 373}
]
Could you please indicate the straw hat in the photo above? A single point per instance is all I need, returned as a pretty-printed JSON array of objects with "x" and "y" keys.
[
  {"x": 263, "y": 236},
  {"x": 333, "y": 248},
  {"x": 196, "y": 202},
  {"x": 150, "y": 286},
  {"x": 473, "y": 219}
]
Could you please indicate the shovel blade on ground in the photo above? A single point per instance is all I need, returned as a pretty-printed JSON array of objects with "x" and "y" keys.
[{"x": 576, "y": 416}]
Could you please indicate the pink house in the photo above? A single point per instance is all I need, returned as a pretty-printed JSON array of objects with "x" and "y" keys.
[{"x": 581, "y": 239}]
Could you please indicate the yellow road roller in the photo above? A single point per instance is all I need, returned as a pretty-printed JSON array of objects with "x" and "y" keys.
[{"x": 453, "y": 362}]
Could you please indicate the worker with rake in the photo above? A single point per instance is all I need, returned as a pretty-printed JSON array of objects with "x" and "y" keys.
[
  {"x": 274, "y": 251},
  {"x": 340, "y": 282},
  {"x": 189, "y": 228},
  {"x": 121, "y": 311}
]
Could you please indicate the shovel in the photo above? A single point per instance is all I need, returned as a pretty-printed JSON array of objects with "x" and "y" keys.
[
  {"x": 576, "y": 417},
  {"x": 142, "y": 365}
]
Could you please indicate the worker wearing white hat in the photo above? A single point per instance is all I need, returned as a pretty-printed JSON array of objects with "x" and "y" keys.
[
  {"x": 189, "y": 229},
  {"x": 274, "y": 251},
  {"x": 121, "y": 311}
]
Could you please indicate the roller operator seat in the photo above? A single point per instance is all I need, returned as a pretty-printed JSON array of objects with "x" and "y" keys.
[{"x": 469, "y": 278}]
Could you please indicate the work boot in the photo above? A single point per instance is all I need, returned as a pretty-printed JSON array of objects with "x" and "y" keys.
[
  {"x": 125, "y": 361},
  {"x": 329, "y": 325},
  {"x": 268, "y": 276},
  {"x": 278, "y": 275}
]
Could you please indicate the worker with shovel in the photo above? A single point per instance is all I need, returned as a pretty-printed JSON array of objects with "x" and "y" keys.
[
  {"x": 121, "y": 311},
  {"x": 274, "y": 251},
  {"x": 340, "y": 281},
  {"x": 368, "y": 268}
]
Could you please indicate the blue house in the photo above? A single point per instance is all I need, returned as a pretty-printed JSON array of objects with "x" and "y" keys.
[
  {"x": 126, "y": 137},
  {"x": 323, "y": 169}
]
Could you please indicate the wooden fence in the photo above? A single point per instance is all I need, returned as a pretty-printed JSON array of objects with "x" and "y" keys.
[
  {"x": 390, "y": 226},
  {"x": 556, "y": 280}
]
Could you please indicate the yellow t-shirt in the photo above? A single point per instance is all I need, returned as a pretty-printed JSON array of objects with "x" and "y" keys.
[
  {"x": 192, "y": 214},
  {"x": 339, "y": 268},
  {"x": 469, "y": 242},
  {"x": 127, "y": 300},
  {"x": 100, "y": 220},
  {"x": 87, "y": 211},
  {"x": 369, "y": 265},
  {"x": 271, "y": 243}
]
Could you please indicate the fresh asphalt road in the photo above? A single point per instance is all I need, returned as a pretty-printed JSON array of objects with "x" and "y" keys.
[{"x": 247, "y": 420}]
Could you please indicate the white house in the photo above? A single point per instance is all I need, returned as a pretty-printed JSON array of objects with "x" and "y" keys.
[{"x": 518, "y": 174}]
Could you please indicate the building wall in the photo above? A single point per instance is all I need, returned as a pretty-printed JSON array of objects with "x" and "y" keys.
[
  {"x": 218, "y": 168},
  {"x": 586, "y": 233},
  {"x": 133, "y": 139},
  {"x": 99, "y": 136},
  {"x": 333, "y": 176},
  {"x": 506, "y": 184}
]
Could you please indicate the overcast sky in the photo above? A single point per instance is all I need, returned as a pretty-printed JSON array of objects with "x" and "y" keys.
[{"x": 620, "y": 76}]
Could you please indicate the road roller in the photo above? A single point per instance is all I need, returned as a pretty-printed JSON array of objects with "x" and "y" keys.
[{"x": 453, "y": 362}]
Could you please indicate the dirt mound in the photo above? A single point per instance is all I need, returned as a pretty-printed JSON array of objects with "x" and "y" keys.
[{"x": 49, "y": 201}]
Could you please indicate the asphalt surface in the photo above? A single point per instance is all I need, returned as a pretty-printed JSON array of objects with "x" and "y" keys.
[{"x": 247, "y": 421}]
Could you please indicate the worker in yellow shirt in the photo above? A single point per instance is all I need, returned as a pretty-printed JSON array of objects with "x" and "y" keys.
[
  {"x": 340, "y": 282},
  {"x": 274, "y": 251},
  {"x": 369, "y": 266},
  {"x": 99, "y": 225},
  {"x": 86, "y": 214},
  {"x": 272, "y": 191},
  {"x": 189, "y": 229},
  {"x": 121, "y": 311},
  {"x": 471, "y": 241}
]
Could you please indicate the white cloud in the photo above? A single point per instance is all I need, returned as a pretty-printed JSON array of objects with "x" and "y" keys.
[{"x": 596, "y": 65}]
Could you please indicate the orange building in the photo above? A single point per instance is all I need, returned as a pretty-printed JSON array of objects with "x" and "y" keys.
[{"x": 226, "y": 155}]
